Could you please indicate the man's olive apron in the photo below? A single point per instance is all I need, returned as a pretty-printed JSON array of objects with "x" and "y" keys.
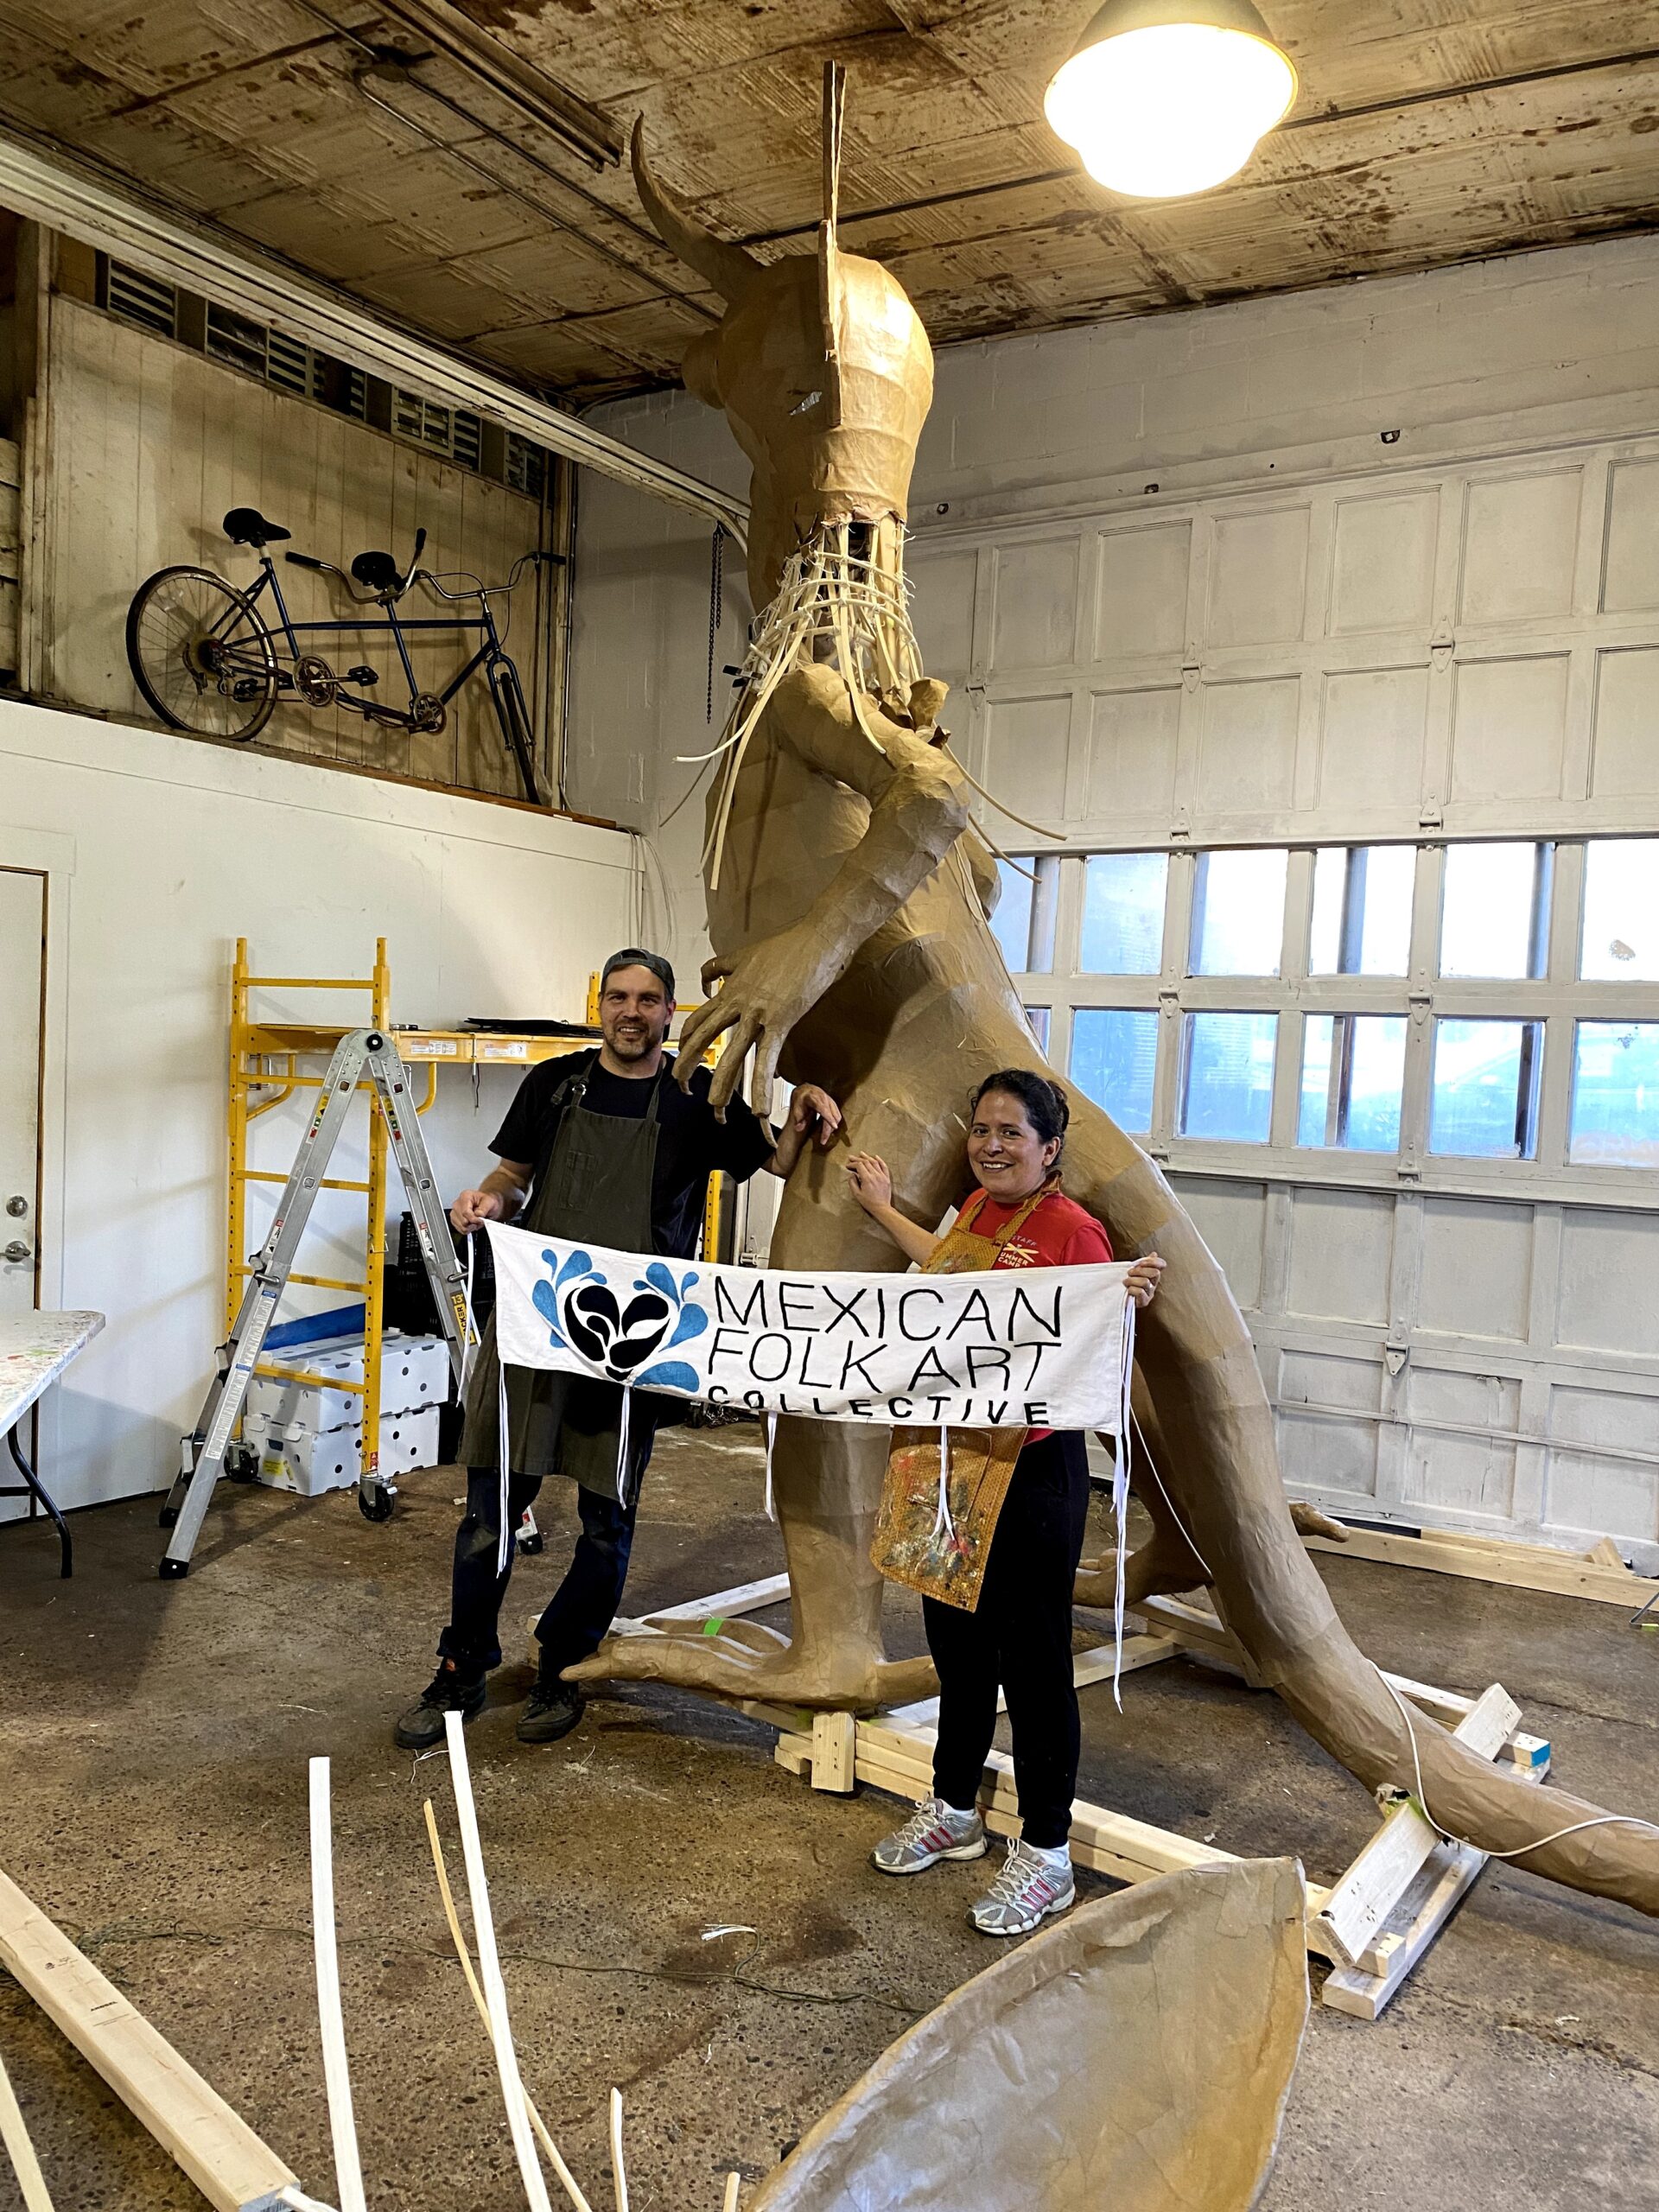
[{"x": 595, "y": 1188}]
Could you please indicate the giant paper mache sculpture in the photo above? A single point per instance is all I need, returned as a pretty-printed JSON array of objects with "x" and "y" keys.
[{"x": 848, "y": 905}]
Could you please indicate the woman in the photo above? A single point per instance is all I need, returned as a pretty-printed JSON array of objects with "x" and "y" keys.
[{"x": 1018, "y": 1636}]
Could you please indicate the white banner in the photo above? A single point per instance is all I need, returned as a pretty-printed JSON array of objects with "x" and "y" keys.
[{"x": 1020, "y": 1348}]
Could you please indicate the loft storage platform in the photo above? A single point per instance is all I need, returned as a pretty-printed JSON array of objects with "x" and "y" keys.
[{"x": 304, "y": 1038}]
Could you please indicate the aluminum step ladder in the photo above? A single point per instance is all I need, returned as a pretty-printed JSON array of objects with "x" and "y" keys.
[{"x": 202, "y": 1456}]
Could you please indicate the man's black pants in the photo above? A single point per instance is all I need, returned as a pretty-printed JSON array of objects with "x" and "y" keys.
[
  {"x": 1019, "y": 1639},
  {"x": 585, "y": 1603}
]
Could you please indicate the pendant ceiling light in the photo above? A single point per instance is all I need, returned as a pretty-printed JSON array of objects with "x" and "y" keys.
[{"x": 1163, "y": 97}]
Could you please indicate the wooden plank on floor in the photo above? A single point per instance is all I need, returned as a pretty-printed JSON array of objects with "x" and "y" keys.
[
  {"x": 213, "y": 2146},
  {"x": 1558, "y": 1575},
  {"x": 1366, "y": 1989},
  {"x": 725, "y": 1604},
  {"x": 1422, "y": 1912},
  {"x": 1362, "y": 1900},
  {"x": 1450, "y": 1706}
]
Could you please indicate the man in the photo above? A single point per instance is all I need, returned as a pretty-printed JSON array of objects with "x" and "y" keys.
[{"x": 607, "y": 1147}]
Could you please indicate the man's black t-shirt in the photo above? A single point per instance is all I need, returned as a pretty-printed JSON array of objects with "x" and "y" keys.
[{"x": 690, "y": 1143}]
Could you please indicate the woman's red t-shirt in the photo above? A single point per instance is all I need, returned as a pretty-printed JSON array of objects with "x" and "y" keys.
[{"x": 1059, "y": 1233}]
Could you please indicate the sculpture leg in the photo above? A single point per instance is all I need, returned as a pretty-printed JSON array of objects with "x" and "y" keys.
[
  {"x": 826, "y": 1476},
  {"x": 1220, "y": 1468}
]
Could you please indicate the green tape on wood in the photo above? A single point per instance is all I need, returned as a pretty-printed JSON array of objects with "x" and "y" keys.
[{"x": 713, "y": 1628}]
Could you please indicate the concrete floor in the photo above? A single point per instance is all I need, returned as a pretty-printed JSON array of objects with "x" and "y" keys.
[{"x": 152, "y": 1742}]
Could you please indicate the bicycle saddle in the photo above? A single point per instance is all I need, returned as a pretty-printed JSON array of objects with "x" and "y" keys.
[
  {"x": 378, "y": 572},
  {"x": 247, "y": 526}
]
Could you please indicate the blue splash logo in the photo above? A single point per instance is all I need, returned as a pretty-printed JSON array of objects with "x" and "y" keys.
[{"x": 584, "y": 1315}]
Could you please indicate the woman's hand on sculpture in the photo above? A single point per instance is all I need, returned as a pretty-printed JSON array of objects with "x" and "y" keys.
[
  {"x": 765, "y": 990},
  {"x": 1141, "y": 1282},
  {"x": 871, "y": 1180}
]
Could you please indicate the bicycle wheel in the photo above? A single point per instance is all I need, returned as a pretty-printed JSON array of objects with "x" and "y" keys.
[
  {"x": 515, "y": 724},
  {"x": 201, "y": 655}
]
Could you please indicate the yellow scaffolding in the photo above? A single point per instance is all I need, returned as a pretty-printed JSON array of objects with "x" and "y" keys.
[{"x": 256, "y": 1044}]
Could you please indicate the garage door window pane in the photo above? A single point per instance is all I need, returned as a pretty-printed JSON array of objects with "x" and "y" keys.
[
  {"x": 1038, "y": 1016},
  {"x": 1227, "y": 1075},
  {"x": 1123, "y": 914},
  {"x": 1361, "y": 910},
  {"x": 1238, "y": 913},
  {"x": 1113, "y": 1058},
  {"x": 1615, "y": 1095},
  {"x": 1353, "y": 1074},
  {"x": 1621, "y": 912},
  {"x": 1484, "y": 1102},
  {"x": 1495, "y": 918},
  {"x": 1023, "y": 923}
]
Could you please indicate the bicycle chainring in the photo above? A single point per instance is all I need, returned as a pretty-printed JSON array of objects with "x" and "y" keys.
[
  {"x": 314, "y": 681},
  {"x": 427, "y": 714}
]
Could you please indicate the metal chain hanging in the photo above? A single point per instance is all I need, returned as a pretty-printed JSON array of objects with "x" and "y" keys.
[{"x": 716, "y": 610}]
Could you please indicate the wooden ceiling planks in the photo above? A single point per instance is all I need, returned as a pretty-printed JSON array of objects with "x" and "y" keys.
[{"x": 424, "y": 190}]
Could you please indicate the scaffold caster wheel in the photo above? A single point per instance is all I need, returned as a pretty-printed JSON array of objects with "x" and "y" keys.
[
  {"x": 531, "y": 1545},
  {"x": 167, "y": 1515},
  {"x": 174, "y": 1570},
  {"x": 376, "y": 1506}
]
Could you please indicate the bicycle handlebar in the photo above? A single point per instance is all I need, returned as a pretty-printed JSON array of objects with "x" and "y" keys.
[
  {"x": 308, "y": 560},
  {"x": 478, "y": 590}
]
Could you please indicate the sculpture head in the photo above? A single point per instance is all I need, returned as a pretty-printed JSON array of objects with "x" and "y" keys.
[{"x": 821, "y": 367}]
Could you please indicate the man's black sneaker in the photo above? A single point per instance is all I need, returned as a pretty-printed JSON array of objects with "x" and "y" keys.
[
  {"x": 553, "y": 1710},
  {"x": 421, "y": 1727}
]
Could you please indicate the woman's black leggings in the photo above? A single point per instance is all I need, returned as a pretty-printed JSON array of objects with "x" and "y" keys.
[{"x": 1018, "y": 1639}]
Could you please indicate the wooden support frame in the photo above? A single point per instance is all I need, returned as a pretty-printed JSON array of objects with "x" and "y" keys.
[
  {"x": 1598, "y": 1574},
  {"x": 213, "y": 2146},
  {"x": 1373, "y": 1924}
]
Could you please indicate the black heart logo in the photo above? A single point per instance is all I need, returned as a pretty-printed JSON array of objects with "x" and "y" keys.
[{"x": 617, "y": 1340}]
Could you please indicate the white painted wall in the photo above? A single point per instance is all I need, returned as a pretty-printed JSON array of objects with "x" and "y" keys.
[
  {"x": 160, "y": 852},
  {"x": 1374, "y": 562}
]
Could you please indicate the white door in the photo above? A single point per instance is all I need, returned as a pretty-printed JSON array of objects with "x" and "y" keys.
[{"x": 22, "y": 955}]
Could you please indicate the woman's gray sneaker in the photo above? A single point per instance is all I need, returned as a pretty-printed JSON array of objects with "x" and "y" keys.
[
  {"x": 1032, "y": 1885},
  {"x": 934, "y": 1831},
  {"x": 421, "y": 1727}
]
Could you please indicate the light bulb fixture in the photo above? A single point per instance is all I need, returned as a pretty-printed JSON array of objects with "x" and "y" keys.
[{"x": 1164, "y": 98}]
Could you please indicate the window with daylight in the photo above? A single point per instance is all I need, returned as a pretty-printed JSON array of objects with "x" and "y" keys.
[
  {"x": 1238, "y": 913},
  {"x": 1616, "y": 1093},
  {"x": 1619, "y": 943},
  {"x": 1023, "y": 924},
  {"x": 1115, "y": 1060},
  {"x": 1353, "y": 1080},
  {"x": 1494, "y": 913},
  {"x": 1483, "y": 1100},
  {"x": 1400, "y": 999},
  {"x": 1123, "y": 913},
  {"x": 1227, "y": 1075},
  {"x": 1361, "y": 910}
]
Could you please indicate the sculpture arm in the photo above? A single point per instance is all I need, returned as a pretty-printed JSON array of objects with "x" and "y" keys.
[{"x": 919, "y": 808}]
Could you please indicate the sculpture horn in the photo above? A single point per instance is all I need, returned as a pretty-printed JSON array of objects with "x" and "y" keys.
[{"x": 728, "y": 268}]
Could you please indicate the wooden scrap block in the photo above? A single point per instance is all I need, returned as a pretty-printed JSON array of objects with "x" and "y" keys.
[
  {"x": 834, "y": 1740},
  {"x": 1361, "y": 1902}
]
